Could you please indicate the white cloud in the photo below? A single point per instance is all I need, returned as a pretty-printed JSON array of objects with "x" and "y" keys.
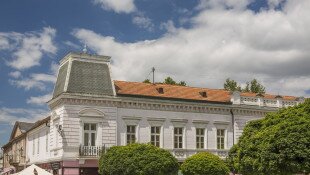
[
  {"x": 143, "y": 22},
  {"x": 28, "y": 48},
  {"x": 118, "y": 6},
  {"x": 35, "y": 81},
  {"x": 39, "y": 100},
  {"x": 272, "y": 46},
  {"x": 72, "y": 45},
  {"x": 15, "y": 74},
  {"x": 11, "y": 115}
]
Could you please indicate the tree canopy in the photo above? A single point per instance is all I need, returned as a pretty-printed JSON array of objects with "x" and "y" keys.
[
  {"x": 204, "y": 163},
  {"x": 138, "y": 159},
  {"x": 254, "y": 86},
  {"x": 168, "y": 80},
  {"x": 279, "y": 144}
]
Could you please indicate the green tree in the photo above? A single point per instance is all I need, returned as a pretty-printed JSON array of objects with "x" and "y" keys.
[
  {"x": 279, "y": 144},
  {"x": 182, "y": 83},
  {"x": 138, "y": 159},
  {"x": 204, "y": 163},
  {"x": 231, "y": 85},
  {"x": 246, "y": 88},
  {"x": 147, "y": 81},
  {"x": 256, "y": 87},
  {"x": 169, "y": 80}
]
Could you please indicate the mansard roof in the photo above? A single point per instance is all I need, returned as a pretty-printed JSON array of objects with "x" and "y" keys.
[
  {"x": 84, "y": 74},
  {"x": 138, "y": 89}
]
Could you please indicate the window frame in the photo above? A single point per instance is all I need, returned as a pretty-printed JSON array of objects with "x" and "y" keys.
[
  {"x": 220, "y": 138},
  {"x": 177, "y": 136},
  {"x": 200, "y": 138},
  {"x": 131, "y": 134},
  {"x": 156, "y": 135}
]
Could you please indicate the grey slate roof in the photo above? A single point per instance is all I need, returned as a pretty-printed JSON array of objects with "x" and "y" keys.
[
  {"x": 90, "y": 78},
  {"x": 61, "y": 79},
  {"x": 24, "y": 126},
  {"x": 84, "y": 78}
]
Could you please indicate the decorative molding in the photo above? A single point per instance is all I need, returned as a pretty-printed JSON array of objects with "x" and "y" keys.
[
  {"x": 200, "y": 123},
  {"x": 156, "y": 121},
  {"x": 221, "y": 122},
  {"x": 162, "y": 105},
  {"x": 179, "y": 122},
  {"x": 131, "y": 120}
]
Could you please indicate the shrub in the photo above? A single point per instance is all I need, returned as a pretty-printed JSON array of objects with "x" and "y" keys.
[
  {"x": 279, "y": 144},
  {"x": 204, "y": 163},
  {"x": 138, "y": 159}
]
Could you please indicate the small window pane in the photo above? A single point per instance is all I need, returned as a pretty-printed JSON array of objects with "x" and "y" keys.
[
  {"x": 86, "y": 126},
  {"x": 93, "y": 137},
  {"x": 93, "y": 127},
  {"x": 86, "y": 139}
]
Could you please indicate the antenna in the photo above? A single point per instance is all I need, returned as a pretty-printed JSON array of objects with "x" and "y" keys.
[
  {"x": 85, "y": 48},
  {"x": 153, "y": 71}
]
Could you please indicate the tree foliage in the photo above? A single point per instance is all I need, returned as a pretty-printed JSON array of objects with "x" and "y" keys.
[
  {"x": 204, "y": 163},
  {"x": 254, "y": 86},
  {"x": 147, "y": 81},
  {"x": 231, "y": 85},
  {"x": 138, "y": 159},
  {"x": 279, "y": 144},
  {"x": 171, "y": 81}
]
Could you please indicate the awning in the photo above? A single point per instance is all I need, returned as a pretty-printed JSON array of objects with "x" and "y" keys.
[{"x": 33, "y": 170}]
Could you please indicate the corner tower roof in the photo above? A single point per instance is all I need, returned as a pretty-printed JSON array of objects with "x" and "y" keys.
[{"x": 82, "y": 73}]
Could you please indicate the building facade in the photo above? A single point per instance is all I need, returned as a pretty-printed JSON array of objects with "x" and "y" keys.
[
  {"x": 14, "y": 152},
  {"x": 90, "y": 112}
]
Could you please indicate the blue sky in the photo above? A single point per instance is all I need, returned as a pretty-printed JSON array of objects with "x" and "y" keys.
[{"x": 202, "y": 42}]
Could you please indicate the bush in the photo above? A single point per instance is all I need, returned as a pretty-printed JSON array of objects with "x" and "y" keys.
[
  {"x": 279, "y": 144},
  {"x": 138, "y": 159},
  {"x": 204, "y": 163}
]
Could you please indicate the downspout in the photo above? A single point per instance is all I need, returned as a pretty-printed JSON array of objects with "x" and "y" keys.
[{"x": 233, "y": 124}]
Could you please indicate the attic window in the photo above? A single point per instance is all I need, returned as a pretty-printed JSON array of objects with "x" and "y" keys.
[
  {"x": 203, "y": 93},
  {"x": 160, "y": 90}
]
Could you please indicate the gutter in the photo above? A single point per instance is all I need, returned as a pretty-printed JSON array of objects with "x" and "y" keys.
[{"x": 233, "y": 124}]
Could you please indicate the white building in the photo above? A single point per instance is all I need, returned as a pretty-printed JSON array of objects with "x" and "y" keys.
[{"x": 90, "y": 111}]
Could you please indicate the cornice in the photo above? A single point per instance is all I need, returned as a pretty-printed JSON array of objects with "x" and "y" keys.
[{"x": 159, "y": 105}]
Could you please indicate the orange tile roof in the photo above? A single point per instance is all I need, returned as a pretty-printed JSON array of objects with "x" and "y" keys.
[
  {"x": 180, "y": 92},
  {"x": 171, "y": 91}
]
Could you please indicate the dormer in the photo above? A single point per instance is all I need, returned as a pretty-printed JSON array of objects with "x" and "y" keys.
[
  {"x": 203, "y": 94},
  {"x": 160, "y": 90}
]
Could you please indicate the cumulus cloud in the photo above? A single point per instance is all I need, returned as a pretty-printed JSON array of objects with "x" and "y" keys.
[
  {"x": 272, "y": 46},
  {"x": 39, "y": 100},
  {"x": 15, "y": 74},
  {"x": 28, "y": 48},
  {"x": 10, "y": 115},
  {"x": 143, "y": 22},
  {"x": 118, "y": 6}
]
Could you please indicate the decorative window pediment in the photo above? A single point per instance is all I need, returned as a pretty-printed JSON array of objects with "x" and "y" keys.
[
  {"x": 200, "y": 123},
  {"x": 156, "y": 121},
  {"x": 179, "y": 122},
  {"x": 131, "y": 120},
  {"x": 221, "y": 124},
  {"x": 90, "y": 112}
]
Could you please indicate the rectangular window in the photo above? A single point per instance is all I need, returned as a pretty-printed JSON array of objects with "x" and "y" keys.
[
  {"x": 178, "y": 137},
  {"x": 200, "y": 137},
  {"x": 90, "y": 130},
  {"x": 38, "y": 145},
  {"x": 46, "y": 141},
  {"x": 131, "y": 134},
  {"x": 220, "y": 138},
  {"x": 155, "y": 136}
]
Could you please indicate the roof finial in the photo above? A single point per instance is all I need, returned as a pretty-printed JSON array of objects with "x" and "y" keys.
[{"x": 85, "y": 48}]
